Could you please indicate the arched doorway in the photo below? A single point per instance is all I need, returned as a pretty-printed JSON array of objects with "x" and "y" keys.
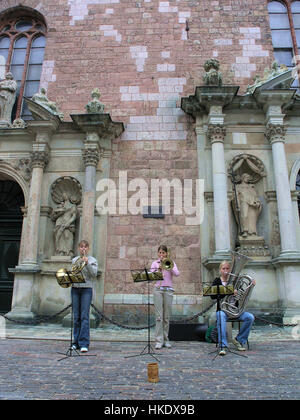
[{"x": 11, "y": 218}]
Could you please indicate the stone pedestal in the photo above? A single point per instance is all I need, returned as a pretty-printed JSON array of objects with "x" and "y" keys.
[{"x": 254, "y": 247}]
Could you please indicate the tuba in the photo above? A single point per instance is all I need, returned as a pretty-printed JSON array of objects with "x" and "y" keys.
[
  {"x": 65, "y": 278},
  {"x": 234, "y": 305}
]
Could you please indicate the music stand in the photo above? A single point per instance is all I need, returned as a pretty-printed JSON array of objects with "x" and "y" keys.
[
  {"x": 219, "y": 291},
  {"x": 139, "y": 276}
]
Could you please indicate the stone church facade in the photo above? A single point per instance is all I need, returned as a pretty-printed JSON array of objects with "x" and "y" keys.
[{"x": 183, "y": 131}]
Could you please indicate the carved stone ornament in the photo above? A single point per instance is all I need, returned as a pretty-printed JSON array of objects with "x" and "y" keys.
[
  {"x": 275, "y": 133},
  {"x": 68, "y": 185},
  {"x": 246, "y": 163},
  {"x": 39, "y": 159},
  {"x": 90, "y": 156},
  {"x": 19, "y": 123},
  {"x": 216, "y": 133},
  {"x": 95, "y": 106},
  {"x": 212, "y": 77},
  {"x": 24, "y": 167}
]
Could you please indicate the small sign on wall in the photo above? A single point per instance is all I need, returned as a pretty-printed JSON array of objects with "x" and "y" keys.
[{"x": 155, "y": 212}]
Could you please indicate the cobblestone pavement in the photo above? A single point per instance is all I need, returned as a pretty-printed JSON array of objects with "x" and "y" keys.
[{"x": 31, "y": 370}]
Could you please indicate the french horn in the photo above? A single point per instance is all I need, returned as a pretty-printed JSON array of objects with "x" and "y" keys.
[{"x": 65, "y": 278}]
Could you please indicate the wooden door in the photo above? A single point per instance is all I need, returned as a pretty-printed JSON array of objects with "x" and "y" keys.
[{"x": 11, "y": 200}]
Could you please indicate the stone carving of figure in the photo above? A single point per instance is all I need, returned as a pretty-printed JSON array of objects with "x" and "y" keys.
[
  {"x": 42, "y": 99},
  {"x": 8, "y": 88},
  {"x": 249, "y": 205},
  {"x": 64, "y": 216}
]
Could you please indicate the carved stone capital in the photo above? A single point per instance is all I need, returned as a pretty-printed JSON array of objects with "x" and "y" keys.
[
  {"x": 91, "y": 156},
  {"x": 275, "y": 133},
  {"x": 39, "y": 159},
  {"x": 216, "y": 133}
]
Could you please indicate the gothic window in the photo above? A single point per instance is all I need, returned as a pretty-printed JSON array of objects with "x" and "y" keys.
[
  {"x": 22, "y": 44},
  {"x": 285, "y": 29}
]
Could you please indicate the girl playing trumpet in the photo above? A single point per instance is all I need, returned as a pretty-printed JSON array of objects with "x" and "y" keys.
[{"x": 163, "y": 297}]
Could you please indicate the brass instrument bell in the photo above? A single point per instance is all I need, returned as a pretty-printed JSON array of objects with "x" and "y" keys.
[
  {"x": 167, "y": 263},
  {"x": 65, "y": 278}
]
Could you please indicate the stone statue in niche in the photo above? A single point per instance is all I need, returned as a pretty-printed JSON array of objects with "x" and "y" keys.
[
  {"x": 8, "y": 89},
  {"x": 64, "y": 216},
  {"x": 249, "y": 206},
  {"x": 246, "y": 171},
  {"x": 67, "y": 193}
]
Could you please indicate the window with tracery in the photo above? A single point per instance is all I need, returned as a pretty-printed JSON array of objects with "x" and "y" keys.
[
  {"x": 22, "y": 44},
  {"x": 285, "y": 29}
]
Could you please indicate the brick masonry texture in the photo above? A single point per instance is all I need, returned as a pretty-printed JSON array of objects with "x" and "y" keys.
[
  {"x": 139, "y": 53},
  {"x": 143, "y": 60}
]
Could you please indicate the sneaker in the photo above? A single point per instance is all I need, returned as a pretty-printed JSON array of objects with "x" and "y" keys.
[
  {"x": 74, "y": 347},
  {"x": 168, "y": 345},
  {"x": 84, "y": 349},
  {"x": 222, "y": 352},
  {"x": 158, "y": 346},
  {"x": 238, "y": 345}
]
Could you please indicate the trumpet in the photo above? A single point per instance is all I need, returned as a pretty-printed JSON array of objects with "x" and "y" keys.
[{"x": 167, "y": 263}]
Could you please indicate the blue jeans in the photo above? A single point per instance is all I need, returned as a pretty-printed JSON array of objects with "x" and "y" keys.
[
  {"x": 247, "y": 320},
  {"x": 81, "y": 301}
]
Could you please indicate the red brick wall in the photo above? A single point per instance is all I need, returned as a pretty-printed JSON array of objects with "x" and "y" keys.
[
  {"x": 140, "y": 56},
  {"x": 114, "y": 44}
]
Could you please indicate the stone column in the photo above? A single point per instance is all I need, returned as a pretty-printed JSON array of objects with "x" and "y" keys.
[
  {"x": 216, "y": 134},
  {"x": 287, "y": 264},
  {"x": 91, "y": 156},
  {"x": 39, "y": 159},
  {"x": 26, "y": 272},
  {"x": 275, "y": 133}
]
